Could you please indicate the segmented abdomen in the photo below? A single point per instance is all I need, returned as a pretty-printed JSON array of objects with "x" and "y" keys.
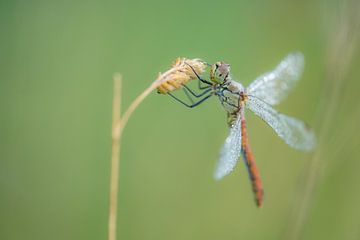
[{"x": 251, "y": 165}]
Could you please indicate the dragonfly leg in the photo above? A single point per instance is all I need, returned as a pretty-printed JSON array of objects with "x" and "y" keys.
[
  {"x": 197, "y": 75},
  {"x": 188, "y": 91},
  {"x": 194, "y": 104},
  {"x": 188, "y": 95},
  {"x": 208, "y": 89},
  {"x": 202, "y": 87}
]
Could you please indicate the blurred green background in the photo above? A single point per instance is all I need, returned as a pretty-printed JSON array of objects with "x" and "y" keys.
[{"x": 56, "y": 65}]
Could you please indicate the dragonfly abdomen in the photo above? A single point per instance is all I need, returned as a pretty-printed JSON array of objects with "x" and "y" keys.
[{"x": 254, "y": 174}]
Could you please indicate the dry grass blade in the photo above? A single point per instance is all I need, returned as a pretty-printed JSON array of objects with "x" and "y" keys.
[
  {"x": 115, "y": 158},
  {"x": 179, "y": 74},
  {"x": 343, "y": 41}
]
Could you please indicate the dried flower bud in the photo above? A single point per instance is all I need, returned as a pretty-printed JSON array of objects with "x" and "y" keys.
[{"x": 179, "y": 74}]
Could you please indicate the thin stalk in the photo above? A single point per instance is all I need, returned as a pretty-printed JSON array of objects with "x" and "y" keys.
[
  {"x": 341, "y": 49},
  {"x": 118, "y": 124},
  {"x": 115, "y": 158}
]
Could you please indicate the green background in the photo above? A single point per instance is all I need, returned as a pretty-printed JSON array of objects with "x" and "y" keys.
[{"x": 57, "y": 59}]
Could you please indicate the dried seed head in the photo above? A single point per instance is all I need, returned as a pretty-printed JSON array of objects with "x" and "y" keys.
[{"x": 179, "y": 74}]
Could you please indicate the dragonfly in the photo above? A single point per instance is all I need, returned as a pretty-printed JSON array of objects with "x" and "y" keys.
[{"x": 266, "y": 91}]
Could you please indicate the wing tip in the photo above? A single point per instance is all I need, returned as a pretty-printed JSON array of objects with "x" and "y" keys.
[
  {"x": 217, "y": 178},
  {"x": 309, "y": 144},
  {"x": 298, "y": 57},
  {"x": 221, "y": 173},
  {"x": 298, "y": 54},
  {"x": 218, "y": 175}
]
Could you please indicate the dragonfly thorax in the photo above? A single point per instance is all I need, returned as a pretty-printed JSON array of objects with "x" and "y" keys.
[{"x": 230, "y": 95}]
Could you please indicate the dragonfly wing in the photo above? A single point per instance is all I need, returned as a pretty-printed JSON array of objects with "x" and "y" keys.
[
  {"x": 293, "y": 131},
  {"x": 230, "y": 151},
  {"x": 274, "y": 86}
]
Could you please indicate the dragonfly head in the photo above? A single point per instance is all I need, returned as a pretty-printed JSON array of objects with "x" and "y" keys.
[{"x": 220, "y": 72}]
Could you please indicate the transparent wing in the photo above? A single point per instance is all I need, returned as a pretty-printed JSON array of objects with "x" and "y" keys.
[
  {"x": 294, "y": 132},
  {"x": 274, "y": 86},
  {"x": 230, "y": 151}
]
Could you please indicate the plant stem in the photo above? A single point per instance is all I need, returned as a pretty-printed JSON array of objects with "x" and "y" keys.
[
  {"x": 115, "y": 157},
  {"x": 133, "y": 106},
  {"x": 118, "y": 124}
]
